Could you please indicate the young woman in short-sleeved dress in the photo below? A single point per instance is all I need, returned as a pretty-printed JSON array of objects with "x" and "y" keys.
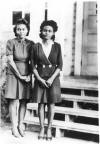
[
  {"x": 47, "y": 64},
  {"x": 18, "y": 52}
]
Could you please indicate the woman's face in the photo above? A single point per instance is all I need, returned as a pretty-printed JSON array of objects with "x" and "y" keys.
[
  {"x": 47, "y": 32},
  {"x": 21, "y": 31}
]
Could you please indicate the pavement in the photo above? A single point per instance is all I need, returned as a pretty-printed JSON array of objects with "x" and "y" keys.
[{"x": 31, "y": 137}]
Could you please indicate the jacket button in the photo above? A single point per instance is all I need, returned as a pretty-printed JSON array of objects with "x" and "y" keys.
[
  {"x": 43, "y": 66},
  {"x": 50, "y": 66}
]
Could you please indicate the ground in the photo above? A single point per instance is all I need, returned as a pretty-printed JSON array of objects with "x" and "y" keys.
[{"x": 31, "y": 138}]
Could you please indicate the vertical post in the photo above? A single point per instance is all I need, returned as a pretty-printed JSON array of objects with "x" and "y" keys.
[
  {"x": 46, "y": 11},
  {"x": 0, "y": 106},
  {"x": 78, "y": 38},
  {"x": 57, "y": 132}
]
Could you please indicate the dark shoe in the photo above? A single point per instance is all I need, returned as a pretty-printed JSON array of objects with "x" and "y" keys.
[
  {"x": 40, "y": 137},
  {"x": 49, "y": 138},
  {"x": 21, "y": 130},
  {"x": 41, "y": 134},
  {"x": 15, "y": 132},
  {"x": 49, "y": 135}
]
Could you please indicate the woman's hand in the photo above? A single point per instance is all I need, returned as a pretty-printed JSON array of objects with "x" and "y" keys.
[
  {"x": 43, "y": 82},
  {"x": 49, "y": 81},
  {"x": 26, "y": 78}
]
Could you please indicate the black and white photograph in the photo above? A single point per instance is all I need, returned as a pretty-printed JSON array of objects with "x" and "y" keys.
[{"x": 49, "y": 78}]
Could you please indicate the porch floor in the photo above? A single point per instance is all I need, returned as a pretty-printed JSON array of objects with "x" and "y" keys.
[{"x": 79, "y": 82}]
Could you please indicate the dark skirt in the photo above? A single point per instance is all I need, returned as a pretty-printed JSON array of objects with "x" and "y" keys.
[
  {"x": 17, "y": 89},
  {"x": 47, "y": 95}
]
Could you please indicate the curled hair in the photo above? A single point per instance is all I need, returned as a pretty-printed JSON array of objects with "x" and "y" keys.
[
  {"x": 22, "y": 21},
  {"x": 51, "y": 23}
]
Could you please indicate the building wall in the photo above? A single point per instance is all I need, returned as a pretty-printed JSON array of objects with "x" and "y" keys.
[{"x": 61, "y": 11}]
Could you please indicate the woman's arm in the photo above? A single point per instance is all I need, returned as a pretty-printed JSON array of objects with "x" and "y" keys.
[
  {"x": 33, "y": 65},
  {"x": 59, "y": 65},
  {"x": 39, "y": 78},
  {"x": 14, "y": 68},
  {"x": 51, "y": 79},
  {"x": 56, "y": 73}
]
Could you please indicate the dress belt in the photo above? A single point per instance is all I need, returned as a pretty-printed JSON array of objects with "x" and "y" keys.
[{"x": 21, "y": 61}]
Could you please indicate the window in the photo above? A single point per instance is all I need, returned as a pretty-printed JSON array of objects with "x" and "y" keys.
[{"x": 18, "y": 14}]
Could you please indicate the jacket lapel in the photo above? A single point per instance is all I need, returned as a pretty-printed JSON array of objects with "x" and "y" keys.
[{"x": 45, "y": 59}]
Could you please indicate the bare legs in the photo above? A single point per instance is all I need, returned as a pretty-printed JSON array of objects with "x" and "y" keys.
[
  {"x": 41, "y": 112},
  {"x": 50, "y": 120},
  {"x": 17, "y": 116},
  {"x": 13, "y": 116},
  {"x": 21, "y": 115}
]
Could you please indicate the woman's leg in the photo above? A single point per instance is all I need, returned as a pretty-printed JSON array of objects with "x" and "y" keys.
[
  {"x": 14, "y": 116},
  {"x": 41, "y": 113},
  {"x": 50, "y": 120},
  {"x": 21, "y": 115}
]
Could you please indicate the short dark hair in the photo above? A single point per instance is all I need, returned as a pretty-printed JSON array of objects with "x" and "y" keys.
[
  {"x": 22, "y": 21},
  {"x": 51, "y": 23}
]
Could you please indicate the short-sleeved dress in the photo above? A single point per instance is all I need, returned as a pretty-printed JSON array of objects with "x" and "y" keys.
[
  {"x": 46, "y": 67},
  {"x": 21, "y": 51}
]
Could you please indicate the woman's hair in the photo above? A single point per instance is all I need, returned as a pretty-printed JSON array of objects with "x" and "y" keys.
[
  {"x": 22, "y": 21},
  {"x": 51, "y": 23}
]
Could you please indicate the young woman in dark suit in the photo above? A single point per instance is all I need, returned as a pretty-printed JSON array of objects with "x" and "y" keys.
[{"x": 47, "y": 64}]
